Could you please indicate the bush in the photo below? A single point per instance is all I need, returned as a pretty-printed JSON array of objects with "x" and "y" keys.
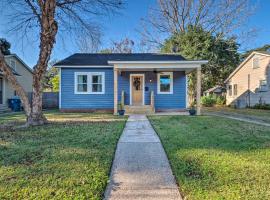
[
  {"x": 220, "y": 100},
  {"x": 261, "y": 106},
  {"x": 208, "y": 101}
]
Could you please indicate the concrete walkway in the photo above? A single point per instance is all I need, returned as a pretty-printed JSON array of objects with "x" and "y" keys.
[
  {"x": 238, "y": 118},
  {"x": 141, "y": 169}
]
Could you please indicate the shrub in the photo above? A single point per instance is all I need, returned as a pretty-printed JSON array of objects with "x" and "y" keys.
[
  {"x": 261, "y": 106},
  {"x": 220, "y": 100},
  {"x": 208, "y": 101}
]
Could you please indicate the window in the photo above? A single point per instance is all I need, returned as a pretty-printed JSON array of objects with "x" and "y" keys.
[
  {"x": 255, "y": 62},
  {"x": 12, "y": 64},
  {"x": 89, "y": 82},
  {"x": 230, "y": 90},
  {"x": 96, "y": 83},
  {"x": 165, "y": 83},
  {"x": 235, "y": 89},
  {"x": 263, "y": 85}
]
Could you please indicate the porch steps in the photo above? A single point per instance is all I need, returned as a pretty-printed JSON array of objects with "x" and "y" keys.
[
  {"x": 4, "y": 108},
  {"x": 145, "y": 109}
]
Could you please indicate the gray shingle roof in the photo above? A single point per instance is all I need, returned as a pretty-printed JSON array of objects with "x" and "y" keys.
[{"x": 103, "y": 58}]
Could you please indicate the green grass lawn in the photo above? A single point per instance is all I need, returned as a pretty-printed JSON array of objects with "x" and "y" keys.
[
  {"x": 68, "y": 159},
  {"x": 217, "y": 158},
  {"x": 258, "y": 114}
]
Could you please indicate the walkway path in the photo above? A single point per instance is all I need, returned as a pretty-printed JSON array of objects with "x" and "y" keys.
[
  {"x": 141, "y": 169},
  {"x": 244, "y": 119}
]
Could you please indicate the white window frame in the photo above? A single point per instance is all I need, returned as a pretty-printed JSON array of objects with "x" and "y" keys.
[
  {"x": 171, "y": 83},
  {"x": 253, "y": 59},
  {"x": 76, "y": 74},
  {"x": 89, "y": 82},
  {"x": 15, "y": 64},
  {"x": 102, "y": 74},
  {"x": 263, "y": 88}
]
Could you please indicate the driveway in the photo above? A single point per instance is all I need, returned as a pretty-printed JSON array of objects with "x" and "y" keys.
[{"x": 141, "y": 169}]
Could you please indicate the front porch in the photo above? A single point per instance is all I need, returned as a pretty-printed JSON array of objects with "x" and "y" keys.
[{"x": 149, "y": 87}]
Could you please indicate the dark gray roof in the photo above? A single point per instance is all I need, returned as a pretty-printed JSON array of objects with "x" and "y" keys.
[{"x": 103, "y": 58}]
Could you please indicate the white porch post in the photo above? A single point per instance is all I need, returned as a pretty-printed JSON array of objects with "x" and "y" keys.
[
  {"x": 198, "y": 96},
  {"x": 115, "y": 82}
]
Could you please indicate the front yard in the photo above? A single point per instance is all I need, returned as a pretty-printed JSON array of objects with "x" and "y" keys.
[
  {"x": 67, "y": 159},
  {"x": 253, "y": 114},
  {"x": 217, "y": 158}
]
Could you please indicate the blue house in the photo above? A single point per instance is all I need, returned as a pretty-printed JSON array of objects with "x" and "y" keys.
[{"x": 143, "y": 82}]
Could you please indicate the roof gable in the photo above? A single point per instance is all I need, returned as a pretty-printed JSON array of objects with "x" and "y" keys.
[{"x": 245, "y": 61}]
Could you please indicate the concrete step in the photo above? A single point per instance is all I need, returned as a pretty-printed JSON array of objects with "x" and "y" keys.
[
  {"x": 145, "y": 109},
  {"x": 4, "y": 108}
]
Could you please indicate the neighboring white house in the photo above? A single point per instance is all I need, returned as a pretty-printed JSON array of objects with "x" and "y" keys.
[
  {"x": 24, "y": 76},
  {"x": 249, "y": 82}
]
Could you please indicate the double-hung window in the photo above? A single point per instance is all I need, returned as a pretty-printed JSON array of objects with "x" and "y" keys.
[
  {"x": 89, "y": 82},
  {"x": 165, "y": 83},
  {"x": 97, "y": 82}
]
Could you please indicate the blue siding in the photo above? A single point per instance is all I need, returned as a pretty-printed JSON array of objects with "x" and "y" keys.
[
  {"x": 70, "y": 100},
  {"x": 177, "y": 100}
]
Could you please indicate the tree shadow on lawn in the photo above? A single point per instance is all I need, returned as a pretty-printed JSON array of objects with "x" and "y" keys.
[{"x": 58, "y": 160}]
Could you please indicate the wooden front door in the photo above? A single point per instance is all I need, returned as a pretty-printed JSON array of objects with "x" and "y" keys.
[{"x": 137, "y": 90}]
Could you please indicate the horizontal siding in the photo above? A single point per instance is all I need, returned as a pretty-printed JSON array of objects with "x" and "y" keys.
[
  {"x": 69, "y": 100},
  {"x": 177, "y": 100}
]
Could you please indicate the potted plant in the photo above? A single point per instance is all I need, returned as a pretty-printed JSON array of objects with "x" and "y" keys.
[
  {"x": 121, "y": 110},
  {"x": 192, "y": 110}
]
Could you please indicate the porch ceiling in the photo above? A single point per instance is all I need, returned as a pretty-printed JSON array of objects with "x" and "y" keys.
[{"x": 186, "y": 66}]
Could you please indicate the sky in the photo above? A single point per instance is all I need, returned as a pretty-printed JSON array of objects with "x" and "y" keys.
[{"x": 127, "y": 24}]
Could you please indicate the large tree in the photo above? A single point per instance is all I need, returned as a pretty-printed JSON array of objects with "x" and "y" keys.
[
  {"x": 169, "y": 17},
  {"x": 197, "y": 44},
  {"x": 48, "y": 17}
]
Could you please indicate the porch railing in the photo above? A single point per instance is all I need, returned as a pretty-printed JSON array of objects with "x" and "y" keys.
[
  {"x": 152, "y": 100},
  {"x": 123, "y": 97}
]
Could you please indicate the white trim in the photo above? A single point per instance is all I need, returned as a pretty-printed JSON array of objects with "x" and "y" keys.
[
  {"x": 130, "y": 88},
  {"x": 76, "y": 74},
  {"x": 89, "y": 82},
  {"x": 187, "y": 91},
  {"x": 83, "y": 66},
  {"x": 171, "y": 82},
  {"x": 60, "y": 89},
  {"x": 160, "y": 62},
  {"x": 102, "y": 74}
]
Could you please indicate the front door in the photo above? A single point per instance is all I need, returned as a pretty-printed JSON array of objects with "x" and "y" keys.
[
  {"x": 1, "y": 90},
  {"x": 137, "y": 89}
]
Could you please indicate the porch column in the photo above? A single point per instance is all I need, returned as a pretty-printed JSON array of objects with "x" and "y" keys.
[
  {"x": 115, "y": 90},
  {"x": 198, "y": 96}
]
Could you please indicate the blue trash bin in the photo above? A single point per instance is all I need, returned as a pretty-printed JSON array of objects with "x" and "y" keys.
[{"x": 15, "y": 104}]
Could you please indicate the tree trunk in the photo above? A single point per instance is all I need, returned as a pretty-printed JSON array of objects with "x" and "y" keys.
[
  {"x": 34, "y": 115},
  {"x": 47, "y": 39}
]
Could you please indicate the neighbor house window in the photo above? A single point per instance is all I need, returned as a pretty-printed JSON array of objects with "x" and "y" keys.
[
  {"x": 235, "y": 89},
  {"x": 255, "y": 62},
  {"x": 230, "y": 90},
  {"x": 165, "y": 83},
  {"x": 89, "y": 83},
  {"x": 12, "y": 64},
  {"x": 263, "y": 85}
]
